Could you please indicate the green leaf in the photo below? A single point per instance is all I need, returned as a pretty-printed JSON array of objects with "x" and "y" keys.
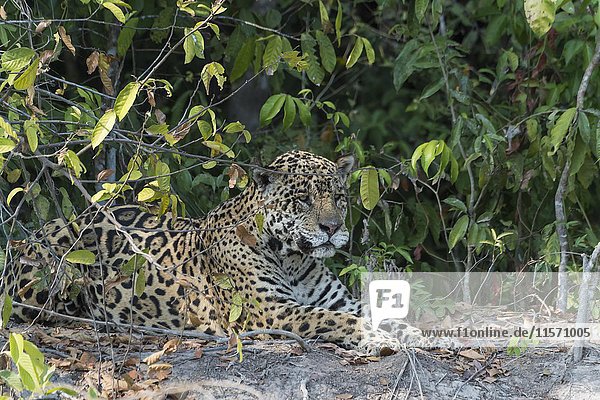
[
  {"x": 323, "y": 14},
  {"x": 420, "y": 9},
  {"x": 12, "y": 379},
  {"x": 235, "y": 312},
  {"x": 369, "y": 50},
  {"x": 12, "y": 194},
  {"x": 234, "y": 127},
  {"x": 404, "y": 65},
  {"x": 125, "y": 99},
  {"x": 560, "y": 129},
  {"x": 458, "y": 231},
  {"x": 369, "y": 188},
  {"x": 326, "y": 52},
  {"x": 355, "y": 53},
  {"x": 115, "y": 10},
  {"x": 272, "y": 54},
  {"x": 14, "y": 60},
  {"x": 456, "y": 203},
  {"x": 31, "y": 128},
  {"x": 303, "y": 111},
  {"x": 314, "y": 71},
  {"x": 140, "y": 282},
  {"x": 243, "y": 60},
  {"x": 540, "y": 15},
  {"x": 16, "y": 346},
  {"x": 133, "y": 264},
  {"x": 84, "y": 257},
  {"x": 219, "y": 147},
  {"x": 338, "y": 23},
  {"x": 417, "y": 155},
  {"x": 236, "y": 307},
  {"x": 289, "y": 112},
  {"x": 583, "y": 125},
  {"x": 213, "y": 69},
  {"x": 6, "y": 145},
  {"x": 103, "y": 127},
  {"x": 270, "y": 109},
  {"x": 6, "y": 129},
  {"x": 259, "y": 218},
  {"x": 193, "y": 45},
  {"x": 146, "y": 194},
  {"x": 27, "y": 78},
  {"x": 126, "y": 37},
  {"x": 7, "y": 307},
  {"x": 429, "y": 153}
]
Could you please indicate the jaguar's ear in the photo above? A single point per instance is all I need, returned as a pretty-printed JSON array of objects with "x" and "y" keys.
[
  {"x": 263, "y": 178},
  {"x": 345, "y": 164}
]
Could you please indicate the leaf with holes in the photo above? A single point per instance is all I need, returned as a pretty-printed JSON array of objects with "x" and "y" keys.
[
  {"x": 213, "y": 69},
  {"x": 540, "y": 15}
]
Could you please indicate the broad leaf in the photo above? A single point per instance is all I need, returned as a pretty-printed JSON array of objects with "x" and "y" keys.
[
  {"x": 369, "y": 188},
  {"x": 356, "y": 52},
  {"x": 540, "y": 15},
  {"x": 326, "y": 51},
  {"x": 289, "y": 112},
  {"x": 270, "y": 109},
  {"x": 458, "y": 231},
  {"x": 27, "y": 78},
  {"x": 103, "y": 127},
  {"x": 560, "y": 129},
  {"x": 126, "y": 98},
  {"x": 84, "y": 257}
]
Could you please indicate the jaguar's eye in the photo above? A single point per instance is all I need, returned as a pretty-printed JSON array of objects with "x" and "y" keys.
[{"x": 305, "y": 199}]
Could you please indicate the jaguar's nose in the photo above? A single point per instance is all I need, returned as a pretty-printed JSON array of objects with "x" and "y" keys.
[{"x": 330, "y": 227}]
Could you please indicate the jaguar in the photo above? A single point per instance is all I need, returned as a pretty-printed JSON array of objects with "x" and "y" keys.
[{"x": 257, "y": 261}]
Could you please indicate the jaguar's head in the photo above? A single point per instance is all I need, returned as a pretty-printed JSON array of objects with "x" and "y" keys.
[{"x": 305, "y": 202}]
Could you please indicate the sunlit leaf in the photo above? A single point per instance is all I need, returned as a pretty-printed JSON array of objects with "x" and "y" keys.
[
  {"x": 540, "y": 15},
  {"x": 125, "y": 99},
  {"x": 115, "y": 10},
  {"x": 14, "y": 60},
  {"x": 84, "y": 257},
  {"x": 213, "y": 69},
  {"x": 6, "y": 145},
  {"x": 12, "y": 194},
  {"x": 355, "y": 53},
  {"x": 27, "y": 78},
  {"x": 103, "y": 127}
]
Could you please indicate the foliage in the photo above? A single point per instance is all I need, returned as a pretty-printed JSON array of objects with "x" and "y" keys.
[
  {"x": 462, "y": 116},
  {"x": 33, "y": 374}
]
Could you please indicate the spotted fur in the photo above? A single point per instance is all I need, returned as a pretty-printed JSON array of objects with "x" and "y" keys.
[{"x": 202, "y": 268}]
